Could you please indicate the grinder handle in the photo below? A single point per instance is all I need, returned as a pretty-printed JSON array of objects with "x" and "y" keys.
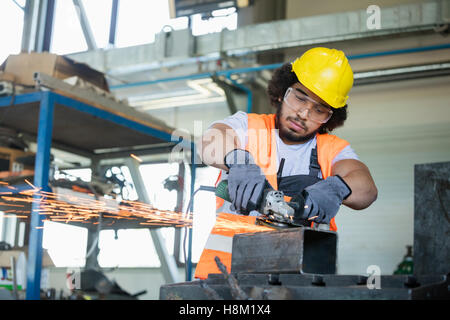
[{"x": 222, "y": 190}]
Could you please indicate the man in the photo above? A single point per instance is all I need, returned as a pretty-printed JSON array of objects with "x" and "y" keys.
[{"x": 291, "y": 151}]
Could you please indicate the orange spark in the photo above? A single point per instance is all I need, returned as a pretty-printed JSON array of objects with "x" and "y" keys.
[
  {"x": 29, "y": 183},
  {"x": 136, "y": 157}
]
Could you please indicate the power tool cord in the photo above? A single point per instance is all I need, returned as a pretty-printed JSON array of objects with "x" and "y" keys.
[{"x": 188, "y": 209}]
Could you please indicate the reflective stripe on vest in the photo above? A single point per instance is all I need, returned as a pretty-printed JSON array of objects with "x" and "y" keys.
[
  {"x": 263, "y": 128},
  {"x": 219, "y": 242},
  {"x": 207, "y": 264}
]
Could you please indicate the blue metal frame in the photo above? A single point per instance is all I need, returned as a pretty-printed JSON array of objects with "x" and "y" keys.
[
  {"x": 41, "y": 173},
  {"x": 113, "y": 22},
  {"x": 189, "y": 255},
  {"x": 248, "y": 91},
  {"x": 48, "y": 100},
  {"x": 21, "y": 99}
]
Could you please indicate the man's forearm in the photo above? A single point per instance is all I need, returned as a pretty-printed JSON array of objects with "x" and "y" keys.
[
  {"x": 357, "y": 176},
  {"x": 216, "y": 142},
  {"x": 364, "y": 192}
]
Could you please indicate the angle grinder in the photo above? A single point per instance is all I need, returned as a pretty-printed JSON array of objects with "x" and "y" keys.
[{"x": 275, "y": 211}]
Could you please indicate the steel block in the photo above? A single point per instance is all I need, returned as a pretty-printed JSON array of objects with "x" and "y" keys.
[{"x": 298, "y": 250}]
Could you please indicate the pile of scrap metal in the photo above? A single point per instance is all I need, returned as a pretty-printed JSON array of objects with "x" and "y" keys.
[
  {"x": 94, "y": 285},
  {"x": 12, "y": 139},
  {"x": 299, "y": 263},
  {"x": 98, "y": 186},
  {"x": 16, "y": 161}
]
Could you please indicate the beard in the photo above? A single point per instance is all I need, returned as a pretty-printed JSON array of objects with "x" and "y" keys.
[{"x": 288, "y": 135}]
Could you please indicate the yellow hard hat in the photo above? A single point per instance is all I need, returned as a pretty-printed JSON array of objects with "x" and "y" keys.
[{"x": 327, "y": 73}]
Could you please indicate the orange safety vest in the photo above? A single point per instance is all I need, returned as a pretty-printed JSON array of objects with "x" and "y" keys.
[{"x": 262, "y": 146}]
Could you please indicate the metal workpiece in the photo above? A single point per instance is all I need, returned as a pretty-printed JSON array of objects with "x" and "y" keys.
[
  {"x": 312, "y": 287},
  {"x": 298, "y": 250}
]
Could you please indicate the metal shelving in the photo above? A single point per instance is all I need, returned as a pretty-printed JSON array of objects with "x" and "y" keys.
[{"x": 79, "y": 128}]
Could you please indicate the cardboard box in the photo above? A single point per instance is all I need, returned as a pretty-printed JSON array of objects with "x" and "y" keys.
[
  {"x": 7, "y": 77},
  {"x": 24, "y": 65},
  {"x": 20, "y": 253}
]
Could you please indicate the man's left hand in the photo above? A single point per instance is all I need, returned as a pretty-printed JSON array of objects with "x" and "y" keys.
[{"x": 321, "y": 200}]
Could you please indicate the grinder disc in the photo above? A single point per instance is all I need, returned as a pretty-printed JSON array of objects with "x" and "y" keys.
[{"x": 264, "y": 221}]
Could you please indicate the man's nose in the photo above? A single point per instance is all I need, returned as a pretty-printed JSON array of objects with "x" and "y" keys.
[{"x": 303, "y": 113}]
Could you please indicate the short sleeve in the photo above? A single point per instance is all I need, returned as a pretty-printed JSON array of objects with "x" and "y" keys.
[
  {"x": 346, "y": 153},
  {"x": 239, "y": 123}
]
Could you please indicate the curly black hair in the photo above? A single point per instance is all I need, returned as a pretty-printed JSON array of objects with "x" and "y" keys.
[{"x": 282, "y": 79}]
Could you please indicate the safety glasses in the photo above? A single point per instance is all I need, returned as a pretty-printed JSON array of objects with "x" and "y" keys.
[{"x": 300, "y": 102}]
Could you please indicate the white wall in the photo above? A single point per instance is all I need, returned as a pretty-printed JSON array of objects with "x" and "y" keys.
[{"x": 392, "y": 127}]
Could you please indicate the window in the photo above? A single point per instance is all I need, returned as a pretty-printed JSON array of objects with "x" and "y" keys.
[
  {"x": 134, "y": 247},
  {"x": 154, "y": 176},
  {"x": 139, "y": 20},
  {"x": 2, "y": 224},
  {"x": 73, "y": 174},
  {"x": 204, "y": 210},
  {"x": 11, "y": 24},
  {"x": 67, "y": 33},
  {"x": 131, "y": 248},
  {"x": 66, "y": 244},
  {"x": 221, "y": 19},
  {"x": 99, "y": 15}
]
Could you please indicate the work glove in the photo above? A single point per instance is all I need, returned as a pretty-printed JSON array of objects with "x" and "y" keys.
[
  {"x": 246, "y": 181},
  {"x": 321, "y": 200}
]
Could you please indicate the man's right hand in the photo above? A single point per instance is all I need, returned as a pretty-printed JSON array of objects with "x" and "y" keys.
[{"x": 246, "y": 181}]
